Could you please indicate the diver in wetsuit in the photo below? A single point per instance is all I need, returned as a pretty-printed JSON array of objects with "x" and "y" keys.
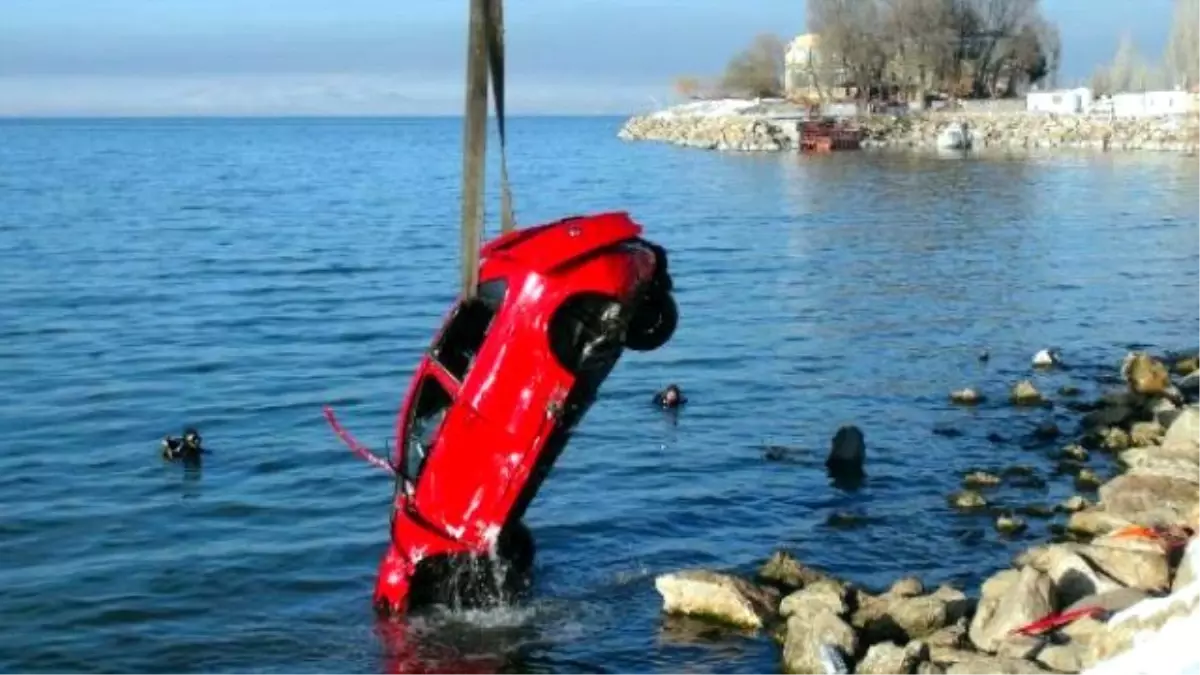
[
  {"x": 670, "y": 398},
  {"x": 186, "y": 447}
]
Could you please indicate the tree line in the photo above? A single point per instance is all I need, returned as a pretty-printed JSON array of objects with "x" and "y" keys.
[
  {"x": 1179, "y": 65},
  {"x": 977, "y": 48}
]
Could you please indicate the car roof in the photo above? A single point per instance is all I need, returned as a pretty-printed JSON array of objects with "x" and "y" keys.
[{"x": 543, "y": 248}]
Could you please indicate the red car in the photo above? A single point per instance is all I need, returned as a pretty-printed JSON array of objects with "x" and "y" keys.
[{"x": 496, "y": 396}]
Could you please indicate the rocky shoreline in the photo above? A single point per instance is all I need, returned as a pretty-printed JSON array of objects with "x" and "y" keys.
[
  {"x": 742, "y": 130},
  {"x": 1121, "y": 566}
]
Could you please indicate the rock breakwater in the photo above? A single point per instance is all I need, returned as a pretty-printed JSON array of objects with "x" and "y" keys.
[
  {"x": 743, "y": 131},
  {"x": 1120, "y": 567}
]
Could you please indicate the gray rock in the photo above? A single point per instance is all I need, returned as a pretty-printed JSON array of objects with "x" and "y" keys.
[
  {"x": 885, "y": 658},
  {"x": 1146, "y": 570},
  {"x": 827, "y": 595},
  {"x": 906, "y": 587},
  {"x": 810, "y": 636},
  {"x": 784, "y": 569},
  {"x": 1029, "y": 599},
  {"x": 1149, "y": 499},
  {"x": 1185, "y": 427},
  {"x": 716, "y": 596}
]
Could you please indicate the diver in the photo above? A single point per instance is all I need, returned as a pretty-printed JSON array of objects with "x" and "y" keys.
[
  {"x": 186, "y": 447},
  {"x": 670, "y": 398}
]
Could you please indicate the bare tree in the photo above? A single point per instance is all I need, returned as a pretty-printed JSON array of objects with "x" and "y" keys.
[
  {"x": 690, "y": 87},
  {"x": 1183, "y": 46},
  {"x": 1126, "y": 72},
  {"x": 852, "y": 36},
  {"x": 758, "y": 70}
]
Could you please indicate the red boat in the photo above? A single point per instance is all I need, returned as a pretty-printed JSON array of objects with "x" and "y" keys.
[{"x": 508, "y": 376}]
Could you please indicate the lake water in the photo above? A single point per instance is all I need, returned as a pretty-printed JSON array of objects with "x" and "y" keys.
[{"x": 237, "y": 275}]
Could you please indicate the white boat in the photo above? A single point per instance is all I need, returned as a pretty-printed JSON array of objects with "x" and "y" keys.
[{"x": 957, "y": 136}]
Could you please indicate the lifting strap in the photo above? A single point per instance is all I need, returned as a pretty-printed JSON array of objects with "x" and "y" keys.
[{"x": 485, "y": 55}]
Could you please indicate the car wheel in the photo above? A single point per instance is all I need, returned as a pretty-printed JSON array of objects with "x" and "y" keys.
[
  {"x": 585, "y": 331},
  {"x": 654, "y": 323}
]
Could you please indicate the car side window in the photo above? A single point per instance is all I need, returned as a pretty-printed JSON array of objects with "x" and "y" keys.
[
  {"x": 460, "y": 342},
  {"x": 433, "y": 402}
]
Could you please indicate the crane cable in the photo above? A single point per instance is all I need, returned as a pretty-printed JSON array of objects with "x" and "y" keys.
[{"x": 485, "y": 55}]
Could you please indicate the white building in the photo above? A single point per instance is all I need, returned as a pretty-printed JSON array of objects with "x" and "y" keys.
[
  {"x": 1061, "y": 102},
  {"x": 1153, "y": 103}
]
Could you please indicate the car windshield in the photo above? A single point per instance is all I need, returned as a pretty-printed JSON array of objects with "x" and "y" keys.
[
  {"x": 433, "y": 401},
  {"x": 460, "y": 342}
]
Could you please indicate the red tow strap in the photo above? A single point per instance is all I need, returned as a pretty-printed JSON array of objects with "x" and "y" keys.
[
  {"x": 358, "y": 448},
  {"x": 1052, "y": 621}
]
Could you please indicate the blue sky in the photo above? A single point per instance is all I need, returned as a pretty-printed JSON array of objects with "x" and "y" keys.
[{"x": 162, "y": 57}]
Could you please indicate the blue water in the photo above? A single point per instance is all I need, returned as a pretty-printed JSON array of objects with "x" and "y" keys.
[{"x": 236, "y": 275}]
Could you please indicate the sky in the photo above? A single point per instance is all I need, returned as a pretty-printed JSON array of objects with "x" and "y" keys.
[{"x": 370, "y": 57}]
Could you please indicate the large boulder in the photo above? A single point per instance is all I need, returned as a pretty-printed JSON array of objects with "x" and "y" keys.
[
  {"x": 1073, "y": 576},
  {"x": 979, "y": 664},
  {"x": 827, "y": 594},
  {"x": 886, "y": 658},
  {"x": 719, "y": 597},
  {"x": 1149, "y": 499},
  {"x": 1145, "y": 374},
  {"x": 812, "y": 636},
  {"x": 1185, "y": 428},
  {"x": 1129, "y": 565},
  {"x": 1093, "y": 521},
  {"x": 1030, "y": 598},
  {"x": 900, "y": 618}
]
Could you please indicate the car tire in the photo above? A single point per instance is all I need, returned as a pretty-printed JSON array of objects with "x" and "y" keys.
[
  {"x": 584, "y": 331},
  {"x": 654, "y": 323}
]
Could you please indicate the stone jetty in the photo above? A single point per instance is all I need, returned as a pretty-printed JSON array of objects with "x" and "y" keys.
[
  {"x": 756, "y": 127},
  {"x": 1126, "y": 564}
]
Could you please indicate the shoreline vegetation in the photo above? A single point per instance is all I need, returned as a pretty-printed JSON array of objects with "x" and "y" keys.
[
  {"x": 740, "y": 125},
  {"x": 1122, "y": 571}
]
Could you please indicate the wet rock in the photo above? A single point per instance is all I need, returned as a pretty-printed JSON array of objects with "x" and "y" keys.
[
  {"x": 1074, "y": 503},
  {"x": 1018, "y": 470},
  {"x": 847, "y": 452},
  {"x": 1030, "y": 598},
  {"x": 1069, "y": 390},
  {"x": 966, "y": 396},
  {"x": 1036, "y": 511},
  {"x": 930, "y": 668},
  {"x": 1087, "y": 479},
  {"x": 1146, "y": 433},
  {"x": 719, "y": 597},
  {"x": 1010, "y": 524},
  {"x": 967, "y": 500},
  {"x": 1145, "y": 374},
  {"x": 947, "y": 431},
  {"x": 994, "y": 437},
  {"x": 906, "y": 587},
  {"x": 845, "y": 520},
  {"x": 1025, "y": 394},
  {"x": 1046, "y": 431},
  {"x": 1027, "y": 481},
  {"x": 1076, "y": 452},
  {"x": 783, "y": 569},
  {"x": 1186, "y": 365},
  {"x": 827, "y": 595},
  {"x": 1149, "y": 499},
  {"x": 1114, "y": 439},
  {"x": 1068, "y": 467},
  {"x": 809, "y": 636},
  {"x": 977, "y": 479},
  {"x": 1185, "y": 428}
]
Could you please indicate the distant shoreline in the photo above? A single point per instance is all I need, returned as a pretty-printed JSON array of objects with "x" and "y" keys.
[{"x": 751, "y": 126}]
